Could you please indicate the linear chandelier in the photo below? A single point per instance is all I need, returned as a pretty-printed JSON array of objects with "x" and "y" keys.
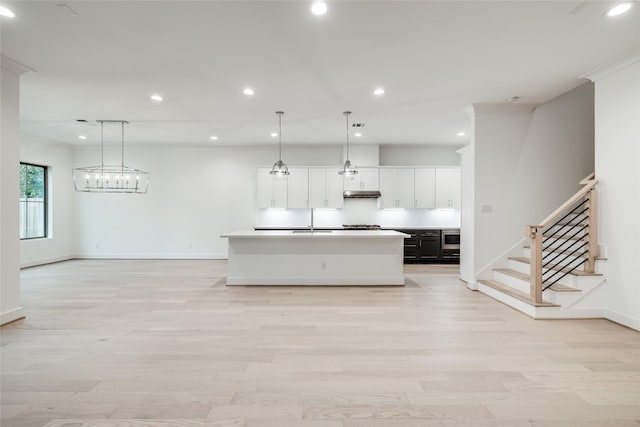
[{"x": 110, "y": 178}]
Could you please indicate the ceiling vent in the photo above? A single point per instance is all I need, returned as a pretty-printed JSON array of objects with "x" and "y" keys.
[{"x": 357, "y": 125}]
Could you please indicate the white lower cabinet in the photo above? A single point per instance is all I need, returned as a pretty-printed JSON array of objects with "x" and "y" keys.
[
  {"x": 325, "y": 188},
  {"x": 448, "y": 183},
  {"x": 272, "y": 192}
]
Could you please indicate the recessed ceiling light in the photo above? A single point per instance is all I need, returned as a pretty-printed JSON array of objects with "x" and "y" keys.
[
  {"x": 274, "y": 134},
  {"x": 379, "y": 91},
  {"x": 248, "y": 91},
  {"x": 319, "y": 8},
  {"x": 213, "y": 138},
  {"x": 460, "y": 134},
  {"x": 156, "y": 98},
  {"x": 619, "y": 9},
  {"x": 82, "y": 137},
  {"x": 358, "y": 134},
  {"x": 6, "y": 12}
]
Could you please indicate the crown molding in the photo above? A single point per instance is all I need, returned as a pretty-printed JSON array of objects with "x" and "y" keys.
[
  {"x": 613, "y": 66},
  {"x": 513, "y": 108},
  {"x": 13, "y": 65}
]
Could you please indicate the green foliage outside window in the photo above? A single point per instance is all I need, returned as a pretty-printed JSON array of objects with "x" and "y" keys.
[{"x": 33, "y": 201}]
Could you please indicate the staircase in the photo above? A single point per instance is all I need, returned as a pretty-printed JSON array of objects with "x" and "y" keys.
[{"x": 556, "y": 272}]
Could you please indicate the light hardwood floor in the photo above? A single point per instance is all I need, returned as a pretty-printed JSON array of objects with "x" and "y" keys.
[{"x": 165, "y": 343}]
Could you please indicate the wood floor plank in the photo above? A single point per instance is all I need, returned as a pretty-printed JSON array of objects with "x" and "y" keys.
[{"x": 141, "y": 343}]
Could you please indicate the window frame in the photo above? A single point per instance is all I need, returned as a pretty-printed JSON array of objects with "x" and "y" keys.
[{"x": 45, "y": 197}]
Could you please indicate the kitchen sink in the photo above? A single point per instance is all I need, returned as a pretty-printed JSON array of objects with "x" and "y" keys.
[{"x": 312, "y": 231}]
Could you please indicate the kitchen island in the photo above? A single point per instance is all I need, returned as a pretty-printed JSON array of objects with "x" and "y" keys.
[{"x": 321, "y": 257}]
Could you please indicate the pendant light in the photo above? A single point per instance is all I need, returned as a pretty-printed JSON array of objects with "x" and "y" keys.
[
  {"x": 110, "y": 178},
  {"x": 348, "y": 170},
  {"x": 279, "y": 169}
]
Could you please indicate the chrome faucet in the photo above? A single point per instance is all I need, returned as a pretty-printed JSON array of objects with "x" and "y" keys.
[{"x": 312, "y": 220}]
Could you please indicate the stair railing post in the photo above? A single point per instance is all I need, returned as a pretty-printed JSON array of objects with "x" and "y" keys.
[
  {"x": 536, "y": 263},
  {"x": 592, "y": 228}
]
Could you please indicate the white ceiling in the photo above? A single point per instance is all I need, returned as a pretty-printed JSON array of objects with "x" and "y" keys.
[{"x": 432, "y": 58}]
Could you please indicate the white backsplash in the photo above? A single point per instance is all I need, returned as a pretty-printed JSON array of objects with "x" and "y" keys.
[{"x": 359, "y": 211}]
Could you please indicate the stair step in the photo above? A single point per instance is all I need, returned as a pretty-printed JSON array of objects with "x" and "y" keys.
[
  {"x": 562, "y": 288},
  {"x": 526, "y": 298},
  {"x": 527, "y": 278},
  {"x": 564, "y": 270},
  {"x": 513, "y": 273}
]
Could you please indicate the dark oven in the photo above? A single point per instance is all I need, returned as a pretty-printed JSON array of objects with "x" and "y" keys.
[{"x": 451, "y": 239}]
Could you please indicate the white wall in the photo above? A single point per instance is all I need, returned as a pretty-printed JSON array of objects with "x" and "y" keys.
[
  {"x": 198, "y": 193},
  {"x": 467, "y": 218},
  {"x": 59, "y": 244},
  {"x": 419, "y": 155},
  {"x": 195, "y": 195},
  {"x": 10, "y": 308},
  {"x": 617, "y": 142},
  {"x": 526, "y": 163}
]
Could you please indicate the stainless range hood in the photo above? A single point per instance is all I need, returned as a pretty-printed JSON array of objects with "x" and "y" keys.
[{"x": 361, "y": 194}]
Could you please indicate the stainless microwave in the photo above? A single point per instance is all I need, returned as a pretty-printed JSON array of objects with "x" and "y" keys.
[{"x": 450, "y": 239}]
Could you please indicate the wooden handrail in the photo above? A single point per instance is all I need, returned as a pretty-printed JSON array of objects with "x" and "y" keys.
[
  {"x": 588, "y": 186},
  {"x": 535, "y": 233},
  {"x": 587, "y": 179}
]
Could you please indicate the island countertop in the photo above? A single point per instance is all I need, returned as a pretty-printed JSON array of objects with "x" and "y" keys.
[
  {"x": 322, "y": 257},
  {"x": 317, "y": 234}
]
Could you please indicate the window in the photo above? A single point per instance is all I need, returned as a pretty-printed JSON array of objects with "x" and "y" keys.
[{"x": 33, "y": 201}]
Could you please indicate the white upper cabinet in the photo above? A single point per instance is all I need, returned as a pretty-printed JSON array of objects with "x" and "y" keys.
[
  {"x": 325, "y": 188},
  {"x": 425, "y": 188},
  {"x": 448, "y": 183},
  {"x": 298, "y": 188},
  {"x": 366, "y": 179},
  {"x": 335, "y": 189},
  {"x": 397, "y": 188},
  {"x": 272, "y": 192}
]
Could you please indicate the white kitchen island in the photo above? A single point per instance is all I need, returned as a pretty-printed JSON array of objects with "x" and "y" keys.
[{"x": 354, "y": 257}]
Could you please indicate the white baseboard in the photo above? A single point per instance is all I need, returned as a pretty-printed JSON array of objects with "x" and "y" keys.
[
  {"x": 43, "y": 261},
  {"x": 11, "y": 315},
  {"x": 150, "y": 256},
  {"x": 623, "y": 319}
]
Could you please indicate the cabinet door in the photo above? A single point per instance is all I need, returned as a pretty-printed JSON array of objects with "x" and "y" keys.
[
  {"x": 353, "y": 182},
  {"x": 404, "y": 188},
  {"x": 388, "y": 186},
  {"x": 265, "y": 189},
  {"x": 317, "y": 187},
  {"x": 298, "y": 188},
  {"x": 425, "y": 188},
  {"x": 448, "y": 188},
  {"x": 429, "y": 244},
  {"x": 443, "y": 185},
  {"x": 369, "y": 179},
  {"x": 335, "y": 188},
  {"x": 279, "y": 191},
  {"x": 455, "y": 180}
]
